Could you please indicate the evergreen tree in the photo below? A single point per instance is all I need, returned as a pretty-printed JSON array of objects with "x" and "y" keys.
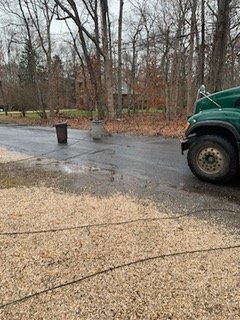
[{"x": 27, "y": 65}]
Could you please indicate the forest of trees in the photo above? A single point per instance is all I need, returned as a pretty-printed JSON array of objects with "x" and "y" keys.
[{"x": 106, "y": 54}]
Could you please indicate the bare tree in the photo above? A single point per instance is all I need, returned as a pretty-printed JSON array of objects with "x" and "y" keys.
[
  {"x": 190, "y": 87},
  {"x": 219, "y": 48},
  {"x": 107, "y": 57},
  {"x": 132, "y": 51},
  {"x": 174, "y": 78},
  {"x": 17, "y": 9},
  {"x": 164, "y": 51},
  {"x": 70, "y": 10},
  {"x": 119, "y": 70},
  {"x": 41, "y": 16}
]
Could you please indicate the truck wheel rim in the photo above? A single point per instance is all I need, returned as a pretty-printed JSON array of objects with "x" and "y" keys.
[{"x": 210, "y": 160}]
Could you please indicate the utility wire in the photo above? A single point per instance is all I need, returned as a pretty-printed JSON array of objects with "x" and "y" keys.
[
  {"x": 129, "y": 264},
  {"x": 114, "y": 268},
  {"x": 99, "y": 225},
  {"x": 110, "y": 269}
]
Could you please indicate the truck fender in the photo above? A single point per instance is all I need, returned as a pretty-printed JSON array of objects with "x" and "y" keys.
[
  {"x": 191, "y": 135},
  {"x": 214, "y": 123}
]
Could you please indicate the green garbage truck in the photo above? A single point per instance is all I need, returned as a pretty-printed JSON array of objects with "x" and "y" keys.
[{"x": 212, "y": 136}]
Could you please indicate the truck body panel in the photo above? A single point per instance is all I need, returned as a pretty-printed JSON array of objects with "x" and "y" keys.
[
  {"x": 229, "y": 98},
  {"x": 213, "y": 135}
]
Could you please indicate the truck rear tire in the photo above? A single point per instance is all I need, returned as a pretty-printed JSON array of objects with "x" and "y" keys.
[{"x": 213, "y": 159}]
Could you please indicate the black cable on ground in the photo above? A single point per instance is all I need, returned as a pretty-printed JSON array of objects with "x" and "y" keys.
[
  {"x": 110, "y": 269},
  {"x": 99, "y": 225},
  {"x": 114, "y": 268}
]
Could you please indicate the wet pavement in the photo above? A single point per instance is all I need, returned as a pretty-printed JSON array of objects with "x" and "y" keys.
[
  {"x": 154, "y": 159},
  {"x": 46, "y": 233}
]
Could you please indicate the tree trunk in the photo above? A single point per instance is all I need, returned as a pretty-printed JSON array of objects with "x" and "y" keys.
[
  {"x": 174, "y": 79},
  {"x": 219, "y": 49},
  {"x": 27, "y": 24},
  {"x": 107, "y": 60},
  {"x": 190, "y": 59},
  {"x": 119, "y": 71}
]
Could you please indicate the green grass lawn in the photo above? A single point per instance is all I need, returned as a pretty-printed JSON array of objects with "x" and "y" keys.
[{"x": 69, "y": 113}]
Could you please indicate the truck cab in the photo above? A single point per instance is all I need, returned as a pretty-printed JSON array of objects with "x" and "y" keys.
[{"x": 212, "y": 135}]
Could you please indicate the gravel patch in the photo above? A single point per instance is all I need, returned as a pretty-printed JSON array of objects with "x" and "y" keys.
[
  {"x": 83, "y": 256},
  {"x": 11, "y": 156}
]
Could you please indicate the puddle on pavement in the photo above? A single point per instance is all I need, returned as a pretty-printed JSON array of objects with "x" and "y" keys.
[{"x": 76, "y": 169}]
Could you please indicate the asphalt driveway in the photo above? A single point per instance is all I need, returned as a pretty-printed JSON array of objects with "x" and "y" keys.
[{"x": 155, "y": 159}]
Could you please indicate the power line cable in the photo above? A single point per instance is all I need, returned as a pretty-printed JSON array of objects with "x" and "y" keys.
[
  {"x": 101, "y": 225},
  {"x": 114, "y": 268}
]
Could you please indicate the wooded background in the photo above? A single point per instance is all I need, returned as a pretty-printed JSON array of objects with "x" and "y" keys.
[{"x": 113, "y": 56}]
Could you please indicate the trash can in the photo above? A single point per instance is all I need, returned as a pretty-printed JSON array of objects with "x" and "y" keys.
[
  {"x": 61, "y": 129},
  {"x": 96, "y": 129}
]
